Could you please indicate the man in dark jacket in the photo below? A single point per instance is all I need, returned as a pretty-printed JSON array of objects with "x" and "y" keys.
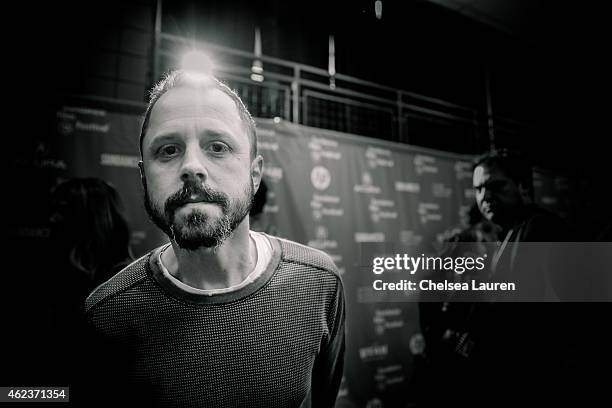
[{"x": 519, "y": 352}]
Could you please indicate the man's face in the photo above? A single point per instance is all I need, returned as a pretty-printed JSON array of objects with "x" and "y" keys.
[
  {"x": 498, "y": 197},
  {"x": 197, "y": 170}
]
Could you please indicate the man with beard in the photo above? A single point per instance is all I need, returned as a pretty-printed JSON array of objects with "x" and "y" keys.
[
  {"x": 503, "y": 185},
  {"x": 515, "y": 351},
  {"x": 221, "y": 315}
]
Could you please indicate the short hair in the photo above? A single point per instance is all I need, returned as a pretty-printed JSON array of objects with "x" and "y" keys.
[
  {"x": 511, "y": 163},
  {"x": 178, "y": 78}
]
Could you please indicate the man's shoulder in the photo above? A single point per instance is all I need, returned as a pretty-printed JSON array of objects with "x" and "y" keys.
[
  {"x": 296, "y": 253},
  {"x": 122, "y": 281},
  {"x": 543, "y": 225}
]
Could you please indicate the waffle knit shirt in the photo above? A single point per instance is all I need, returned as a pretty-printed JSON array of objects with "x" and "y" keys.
[{"x": 277, "y": 342}]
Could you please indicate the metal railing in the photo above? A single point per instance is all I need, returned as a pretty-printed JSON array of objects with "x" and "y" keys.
[{"x": 304, "y": 94}]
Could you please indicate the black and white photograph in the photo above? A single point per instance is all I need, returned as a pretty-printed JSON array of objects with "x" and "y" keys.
[{"x": 306, "y": 203}]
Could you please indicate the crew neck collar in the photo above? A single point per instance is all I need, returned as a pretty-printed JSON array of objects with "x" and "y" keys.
[{"x": 200, "y": 297}]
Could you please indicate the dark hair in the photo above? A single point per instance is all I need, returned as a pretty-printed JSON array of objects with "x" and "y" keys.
[
  {"x": 260, "y": 198},
  {"x": 91, "y": 226},
  {"x": 511, "y": 163},
  {"x": 177, "y": 78}
]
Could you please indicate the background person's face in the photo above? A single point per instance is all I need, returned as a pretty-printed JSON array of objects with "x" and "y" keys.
[
  {"x": 498, "y": 197},
  {"x": 197, "y": 167}
]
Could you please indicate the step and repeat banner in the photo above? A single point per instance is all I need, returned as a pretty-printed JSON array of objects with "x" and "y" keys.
[
  {"x": 337, "y": 192},
  {"x": 329, "y": 190}
]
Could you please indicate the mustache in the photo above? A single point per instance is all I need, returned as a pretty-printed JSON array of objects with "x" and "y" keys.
[{"x": 201, "y": 193}]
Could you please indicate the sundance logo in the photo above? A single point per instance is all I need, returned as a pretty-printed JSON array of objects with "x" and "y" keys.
[
  {"x": 463, "y": 170},
  {"x": 274, "y": 174},
  {"x": 378, "y": 157},
  {"x": 375, "y": 352},
  {"x": 92, "y": 127},
  {"x": 425, "y": 164},
  {"x": 322, "y": 241},
  {"x": 439, "y": 190},
  {"x": 429, "y": 212},
  {"x": 369, "y": 237},
  {"x": 407, "y": 187},
  {"x": 321, "y": 148},
  {"x": 266, "y": 132},
  {"x": 366, "y": 185}
]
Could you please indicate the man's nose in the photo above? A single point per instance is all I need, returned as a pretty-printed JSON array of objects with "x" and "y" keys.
[
  {"x": 481, "y": 193},
  {"x": 487, "y": 193},
  {"x": 193, "y": 166}
]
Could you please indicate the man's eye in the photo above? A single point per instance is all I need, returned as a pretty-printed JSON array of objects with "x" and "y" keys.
[
  {"x": 497, "y": 185},
  {"x": 218, "y": 147},
  {"x": 168, "y": 151}
]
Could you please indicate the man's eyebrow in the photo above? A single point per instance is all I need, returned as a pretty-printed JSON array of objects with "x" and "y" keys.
[
  {"x": 217, "y": 133},
  {"x": 163, "y": 138},
  {"x": 490, "y": 182}
]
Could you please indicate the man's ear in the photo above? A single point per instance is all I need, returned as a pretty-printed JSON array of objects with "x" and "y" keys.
[
  {"x": 525, "y": 194},
  {"x": 257, "y": 168}
]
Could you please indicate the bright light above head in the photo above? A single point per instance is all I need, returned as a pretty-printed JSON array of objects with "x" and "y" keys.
[
  {"x": 197, "y": 62},
  {"x": 378, "y": 9}
]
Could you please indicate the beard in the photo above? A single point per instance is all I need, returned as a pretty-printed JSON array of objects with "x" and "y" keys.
[{"x": 197, "y": 229}]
